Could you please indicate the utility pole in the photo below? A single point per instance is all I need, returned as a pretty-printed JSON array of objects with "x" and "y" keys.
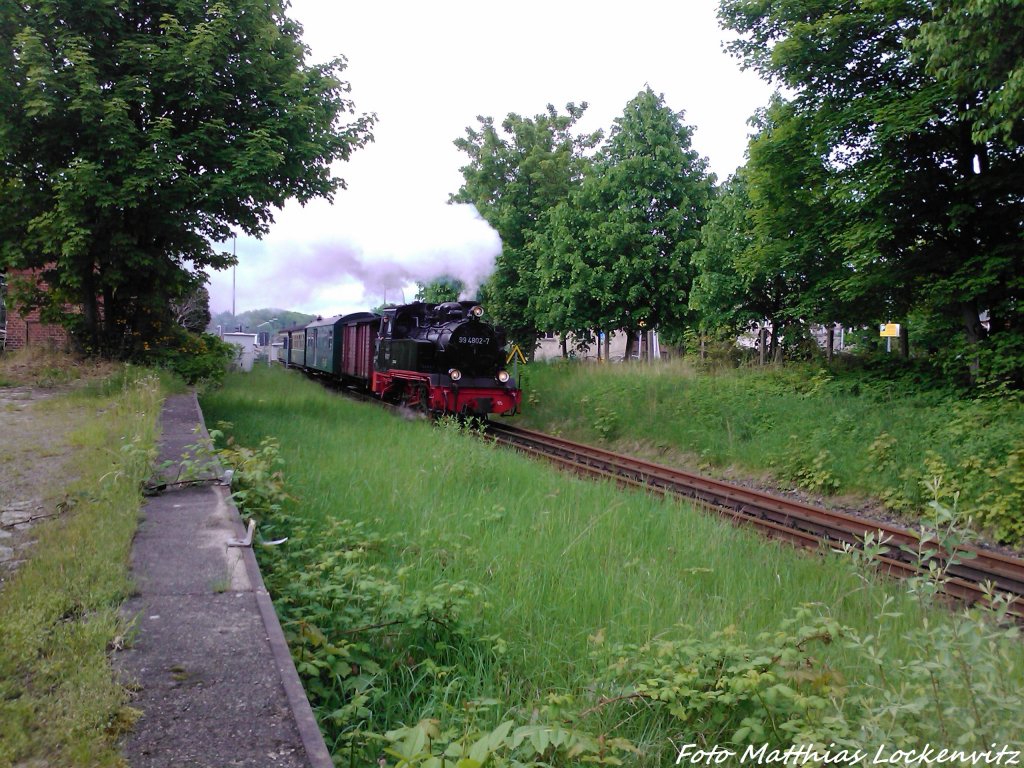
[{"x": 234, "y": 268}]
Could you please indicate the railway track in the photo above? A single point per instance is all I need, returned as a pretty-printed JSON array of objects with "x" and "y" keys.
[
  {"x": 781, "y": 518},
  {"x": 800, "y": 524}
]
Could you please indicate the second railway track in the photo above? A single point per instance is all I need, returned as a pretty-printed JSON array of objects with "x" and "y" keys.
[{"x": 794, "y": 521}]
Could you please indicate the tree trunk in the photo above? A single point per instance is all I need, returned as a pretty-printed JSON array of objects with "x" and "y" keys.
[
  {"x": 90, "y": 312},
  {"x": 607, "y": 346},
  {"x": 644, "y": 347},
  {"x": 110, "y": 318},
  {"x": 598, "y": 334},
  {"x": 630, "y": 341},
  {"x": 830, "y": 344},
  {"x": 904, "y": 342},
  {"x": 562, "y": 344},
  {"x": 975, "y": 333},
  {"x": 761, "y": 341}
]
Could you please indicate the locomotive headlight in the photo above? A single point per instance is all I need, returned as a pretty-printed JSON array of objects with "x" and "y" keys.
[
  {"x": 455, "y": 374},
  {"x": 477, "y": 311},
  {"x": 503, "y": 376}
]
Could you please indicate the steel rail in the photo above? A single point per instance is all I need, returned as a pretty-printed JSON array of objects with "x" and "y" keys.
[
  {"x": 777, "y": 517},
  {"x": 781, "y": 518}
]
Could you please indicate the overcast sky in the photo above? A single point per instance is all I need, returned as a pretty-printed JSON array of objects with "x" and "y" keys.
[{"x": 428, "y": 70}]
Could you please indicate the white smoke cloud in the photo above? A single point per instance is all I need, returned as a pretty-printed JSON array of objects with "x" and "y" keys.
[{"x": 325, "y": 264}]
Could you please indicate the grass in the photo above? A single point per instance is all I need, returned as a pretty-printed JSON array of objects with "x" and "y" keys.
[
  {"x": 830, "y": 432},
  {"x": 60, "y": 703},
  {"x": 553, "y": 566},
  {"x": 48, "y": 368}
]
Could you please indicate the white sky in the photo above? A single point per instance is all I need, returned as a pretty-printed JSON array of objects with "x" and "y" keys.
[{"x": 428, "y": 70}]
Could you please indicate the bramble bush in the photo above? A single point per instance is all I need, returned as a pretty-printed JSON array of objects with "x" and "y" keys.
[{"x": 958, "y": 685}]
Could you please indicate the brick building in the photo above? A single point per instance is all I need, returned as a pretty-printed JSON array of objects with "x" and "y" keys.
[{"x": 26, "y": 330}]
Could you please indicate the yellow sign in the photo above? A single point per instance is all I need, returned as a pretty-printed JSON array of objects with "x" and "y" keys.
[
  {"x": 889, "y": 330},
  {"x": 515, "y": 352}
]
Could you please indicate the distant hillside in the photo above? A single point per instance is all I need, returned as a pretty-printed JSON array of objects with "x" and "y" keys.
[{"x": 275, "y": 320}]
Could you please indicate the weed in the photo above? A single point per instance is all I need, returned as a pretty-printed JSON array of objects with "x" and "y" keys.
[
  {"x": 606, "y": 423},
  {"x": 812, "y": 473},
  {"x": 59, "y": 701}
]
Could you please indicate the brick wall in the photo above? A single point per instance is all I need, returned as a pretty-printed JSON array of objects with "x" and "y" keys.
[{"x": 29, "y": 330}]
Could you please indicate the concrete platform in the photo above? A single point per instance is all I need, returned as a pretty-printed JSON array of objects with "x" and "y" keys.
[{"x": 216, "y": 684}]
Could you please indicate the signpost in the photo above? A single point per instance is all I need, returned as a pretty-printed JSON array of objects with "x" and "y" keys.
[{"x": 889, "y": 331}]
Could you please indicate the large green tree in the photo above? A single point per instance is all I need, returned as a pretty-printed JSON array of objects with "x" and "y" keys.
[
  {"x": 135, "y": 133},
  {"x": 722, "y": 296},
  {"x": 977, "y": 48},
  {"x": 516, "y": 173},
  {"x": 926, "y": 215},
  {"x": 621, "y": 245},
  {"x": 766, "y": 254}
]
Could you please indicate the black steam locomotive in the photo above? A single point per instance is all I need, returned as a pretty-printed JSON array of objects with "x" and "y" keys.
[{"x": 439, "y": 358}]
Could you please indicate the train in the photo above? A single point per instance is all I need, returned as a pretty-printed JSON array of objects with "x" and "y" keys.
[{"x": 435, "y": 358}]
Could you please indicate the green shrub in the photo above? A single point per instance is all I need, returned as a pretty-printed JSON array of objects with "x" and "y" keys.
[{"x": 196, "y": 358}]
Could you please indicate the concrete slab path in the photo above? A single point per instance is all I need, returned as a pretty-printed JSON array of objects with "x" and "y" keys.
[{"x": 216, "y": 684}]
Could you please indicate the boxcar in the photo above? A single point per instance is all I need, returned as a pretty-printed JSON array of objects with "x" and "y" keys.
[{"x": 359, "y": 338}]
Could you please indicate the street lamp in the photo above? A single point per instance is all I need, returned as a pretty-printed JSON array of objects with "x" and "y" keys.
[{"x": 269, "y": 346}]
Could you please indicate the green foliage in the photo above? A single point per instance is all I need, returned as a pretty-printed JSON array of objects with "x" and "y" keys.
[
  {"x": 974, "y": 46},
  {"x": 955, "y": 687},
  {"x": 196, "y": 358},
  {"x": 515, "y": 615},
  {"x": 544, "y": 745},
  {"x": 771, "y": 690},
  {"x": 617, "y": 252},
  {"x": 873, "y": 192},
  {"x": 808, "y": 470},
  {"x": 257, "y": 484},
  {"x": 514, "y": 176},
  {"x": 876, "y": 431},
  {"x": 135, "y": 136},
  {"x": 720, "y": 294},
  {"x": 443, "y": 289},
  {"x": 606, "y": 422}
]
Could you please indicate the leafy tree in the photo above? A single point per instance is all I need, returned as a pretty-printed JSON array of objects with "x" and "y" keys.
[
  {"x": 514, "y": 176},
  {"x": 443, "y": 289},
  {"x": 720, "y": 296},
  {"x": 623, "y": 243},
  {"x": 134, "y": 134},
  {"x": 567, "y": 284},
  {"x": 975, "y": 47},
  {"x": 766, "y": 254},
  {"x": 926, "y": 216}
]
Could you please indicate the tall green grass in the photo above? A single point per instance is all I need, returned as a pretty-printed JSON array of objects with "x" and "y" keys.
[
  {"x": 554, "y": 566},
  {"x": 831, "y": 432}
]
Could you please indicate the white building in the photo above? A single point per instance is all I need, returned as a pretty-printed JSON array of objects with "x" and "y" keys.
[{"x": 246, "y": 343}]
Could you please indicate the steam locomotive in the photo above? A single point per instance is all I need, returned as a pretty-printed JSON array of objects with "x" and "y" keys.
[{"x": 437, "y": 358}]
